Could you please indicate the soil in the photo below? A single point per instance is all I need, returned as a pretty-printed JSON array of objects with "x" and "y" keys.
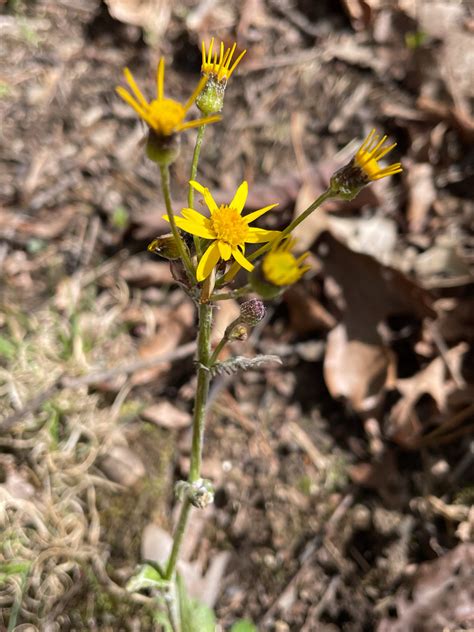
[{"x": 344, "y": 477}]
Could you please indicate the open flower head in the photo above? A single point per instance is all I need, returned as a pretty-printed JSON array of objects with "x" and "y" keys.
[
  {"x": 164, "y": 117},
  {"x": 280, "y": 266},
  {"x": 219, "y": 66},
  {"x": 364, "y": 167},
  {"x": 226, "y": 228},
  {"x": 217, "y": 69},
  {"x": 370, "y": 152}
]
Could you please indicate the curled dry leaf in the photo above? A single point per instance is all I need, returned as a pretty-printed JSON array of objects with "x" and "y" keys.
[
  {"x": 421, "y": 195},
  {"x": 358, "y": 365},
  {"x": 429, "y": 388},
  {"x": 357, "y": 370},
  {"x": 441, "y": 596},
  {"x": 151, "y": 15},
  {"x": 174, "y": 326}
]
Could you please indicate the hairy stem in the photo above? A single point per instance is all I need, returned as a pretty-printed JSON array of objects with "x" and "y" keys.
[
  {"x": 165, "y": 185},
  {"x": 202, "y": 391},
  {"x": 194, "y": 168}
]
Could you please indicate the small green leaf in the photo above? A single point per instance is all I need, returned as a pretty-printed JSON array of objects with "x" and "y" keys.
[
  {"x": 146, "y": 577},
  {"x": 195, "y": 616},
  {"x": 244, "y": 625}
]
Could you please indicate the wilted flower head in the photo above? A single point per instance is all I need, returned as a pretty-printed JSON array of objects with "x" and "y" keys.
[
  {"x": 226, "y": 227},
  {"x": 164, "y": 117},
  {"x": 364, "y": 167},
  {"x": 216, "y": 69}
]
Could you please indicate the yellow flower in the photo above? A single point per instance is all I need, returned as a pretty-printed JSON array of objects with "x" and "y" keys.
[
  {"x": 164, "y": 116},
  {"x": 363, "y": 168},
  {"x": 219, "y": 69},
  {"x": 280, "y": 267},
  {"x": 371, "y": 151},
  {"x": 226, "y": 227}
]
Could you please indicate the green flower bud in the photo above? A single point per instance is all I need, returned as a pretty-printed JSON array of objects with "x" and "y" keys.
[
  {"x": 211, "y": 99},
  {"x": 162, "y": 149}
]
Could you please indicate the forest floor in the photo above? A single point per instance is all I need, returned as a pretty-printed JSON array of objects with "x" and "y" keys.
[{"x": 345, "y": 477}]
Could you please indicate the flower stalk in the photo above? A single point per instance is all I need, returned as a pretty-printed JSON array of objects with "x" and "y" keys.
[
  {"x": 165, "y": 185},
  {"x": 202, "y": 392}
]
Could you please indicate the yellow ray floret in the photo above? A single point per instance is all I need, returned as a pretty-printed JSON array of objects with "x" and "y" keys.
[
  {"x": 280, "y": 267},
  {"x": 226, "y": 227},
  {"x": 219, "y": 65},
  {"x": 164, "y": 116},
  {"x": 371, "y": 151}
]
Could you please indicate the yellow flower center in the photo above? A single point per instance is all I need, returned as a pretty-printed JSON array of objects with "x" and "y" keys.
[
  {"x": 229, "y": 226},
  {"x": 167, "y": 114},
  {"x": 281, "y": 268}
]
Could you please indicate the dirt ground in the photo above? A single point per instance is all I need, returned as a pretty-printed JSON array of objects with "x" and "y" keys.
[{"x": 344, "y": 478}]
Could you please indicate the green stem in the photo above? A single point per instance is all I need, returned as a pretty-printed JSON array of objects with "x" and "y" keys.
[
  {"x": 178, "y": 539},
  {"x": 202, "y": 392},
  {"x": 230, "y": 274},
  {"x": 202, "y": 389},
  {"x": 224, "y": 340},
  {"x": 194, "y": 164},
  {"x": 194, "y": 168},
  {"x": 183, "y": 253},
  {"x": 225, "y": 296}
]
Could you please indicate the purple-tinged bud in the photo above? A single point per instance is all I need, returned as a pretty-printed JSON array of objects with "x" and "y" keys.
[{"x": 252, "y": 311}]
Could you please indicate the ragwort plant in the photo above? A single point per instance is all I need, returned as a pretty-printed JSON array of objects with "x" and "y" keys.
[{"x": 225, "y": 240}]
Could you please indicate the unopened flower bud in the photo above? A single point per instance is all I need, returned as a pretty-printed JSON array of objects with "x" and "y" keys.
[
  {"x": 200, "y": 493},
  {"x": 239, "y": 332},
  {"x": 211, "y": 99},
  {"x": 165, "y": 246},
  {"x": 252, "y": 311}
]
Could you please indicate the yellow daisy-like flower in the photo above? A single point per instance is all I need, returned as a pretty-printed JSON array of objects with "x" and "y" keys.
[
  {"x": 364, "y": 168},
  {"x": 280, "y": 267},
  {"x": 368, "y": 155},
  {"x": 219, "y": 67},
  {"x": 226, "y": 227},
  {"x": 164, "y": 116}
]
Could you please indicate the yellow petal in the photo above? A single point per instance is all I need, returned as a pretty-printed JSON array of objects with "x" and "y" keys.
[
  {"x": 160, "y": 79},
  {"x": 241, "y": 260},
  {"x": 251, "y": 217},
  {"x": 192, "y": 227},
  {"x": 240, "y": 197},
  {"x": 135, "y": 89},
  {"x": 194, "y": 216},
  {"x": 206, "y": 194},
  {"x": 208, "y": 262},
  {"x": 142, "y": 113},
  {"x": 225, "y": 250},
  {"x": 196, "y": 93},
  {"x": 260, "y": 235},
  {"x": 198, "y": 122}
]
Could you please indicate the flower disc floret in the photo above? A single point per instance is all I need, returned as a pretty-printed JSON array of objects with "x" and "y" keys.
[
  {"x": 164, "y": 116},
  {"x": 280, "y": 267},
  {"x": 229, "y": 226},
  {"x": 226, "y": 228}
]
